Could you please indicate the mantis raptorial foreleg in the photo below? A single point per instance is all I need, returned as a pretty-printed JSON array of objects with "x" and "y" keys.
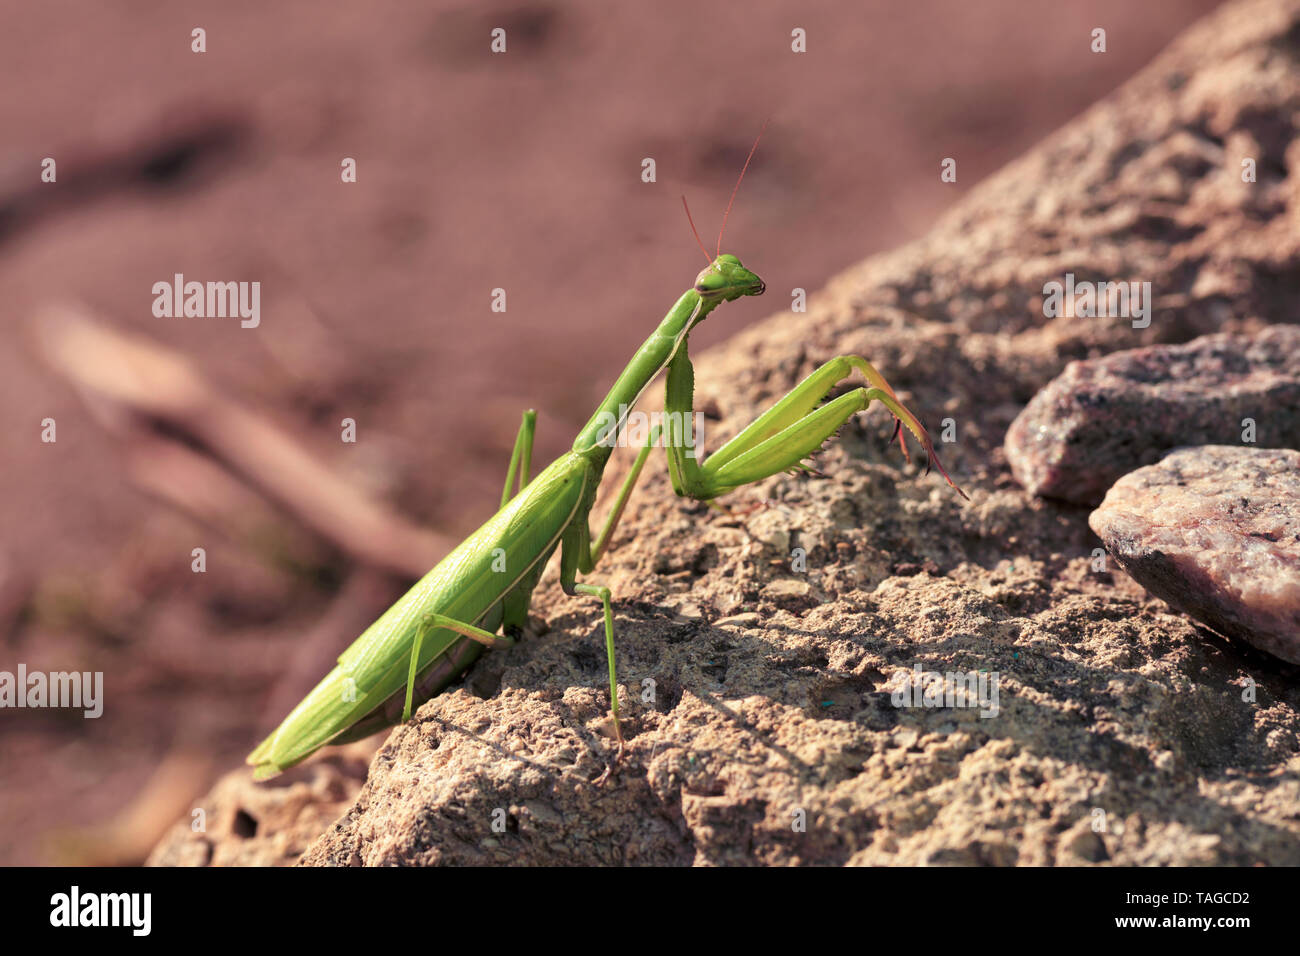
[
  {"x": 787, "y": 433},
  {"x": 433, "y": 621}
]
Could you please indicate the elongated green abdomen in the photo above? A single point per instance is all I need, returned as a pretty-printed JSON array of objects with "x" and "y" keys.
[{"x": 468, "y": 585}]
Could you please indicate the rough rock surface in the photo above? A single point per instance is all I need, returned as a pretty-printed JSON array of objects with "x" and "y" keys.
[
  {"x": 1215, "y": 531},
  {"x": 1125, "y": 734},
  {"x": 248, "y": 824},
  {"x": 1102, "y": 418}
]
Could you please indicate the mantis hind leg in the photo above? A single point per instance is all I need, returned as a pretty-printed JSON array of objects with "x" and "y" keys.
[
  {"x": 521, "y": 458},
  {"x": 515, "y": 603},
  {"x": 432, "y": 622},
  {"x": 783, "y": 436}
]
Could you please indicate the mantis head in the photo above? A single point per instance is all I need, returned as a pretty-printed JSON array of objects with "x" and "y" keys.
[{"x": 726, "y": 279}]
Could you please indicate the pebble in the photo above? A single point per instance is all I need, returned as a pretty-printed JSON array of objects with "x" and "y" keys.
[
  {"x": 1103, "y": 418},
  {"x": 1215, "y": 532}
]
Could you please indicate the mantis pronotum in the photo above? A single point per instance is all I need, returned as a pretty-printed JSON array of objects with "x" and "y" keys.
[{"x": 485, "y": 585}]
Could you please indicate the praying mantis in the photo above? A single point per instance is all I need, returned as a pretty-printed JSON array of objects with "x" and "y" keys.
[{"x": 433, "y": 633}]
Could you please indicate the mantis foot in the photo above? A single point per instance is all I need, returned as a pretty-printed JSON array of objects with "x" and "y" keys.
[{"x": 610, "y": 767}]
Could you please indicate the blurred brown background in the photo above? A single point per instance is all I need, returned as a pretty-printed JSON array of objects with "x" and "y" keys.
[{"x": 475, "y": 171}]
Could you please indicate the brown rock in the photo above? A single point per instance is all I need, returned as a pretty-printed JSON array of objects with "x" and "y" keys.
[
  {"x": 1215, "y": 531},
  {"x": 773, "y": 739},
  {"x": 256, "y": 824},
  {"x": 781, "y": 746},
  {"x": 1103, "y": 418}
]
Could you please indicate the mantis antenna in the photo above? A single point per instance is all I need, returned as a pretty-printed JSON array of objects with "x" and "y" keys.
[
  {"x": 753, "y": 149},
  {"x": 707, "y": 258}
]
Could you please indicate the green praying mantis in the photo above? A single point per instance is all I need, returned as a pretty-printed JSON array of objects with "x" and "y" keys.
[{"x": 438, "y": 629}]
